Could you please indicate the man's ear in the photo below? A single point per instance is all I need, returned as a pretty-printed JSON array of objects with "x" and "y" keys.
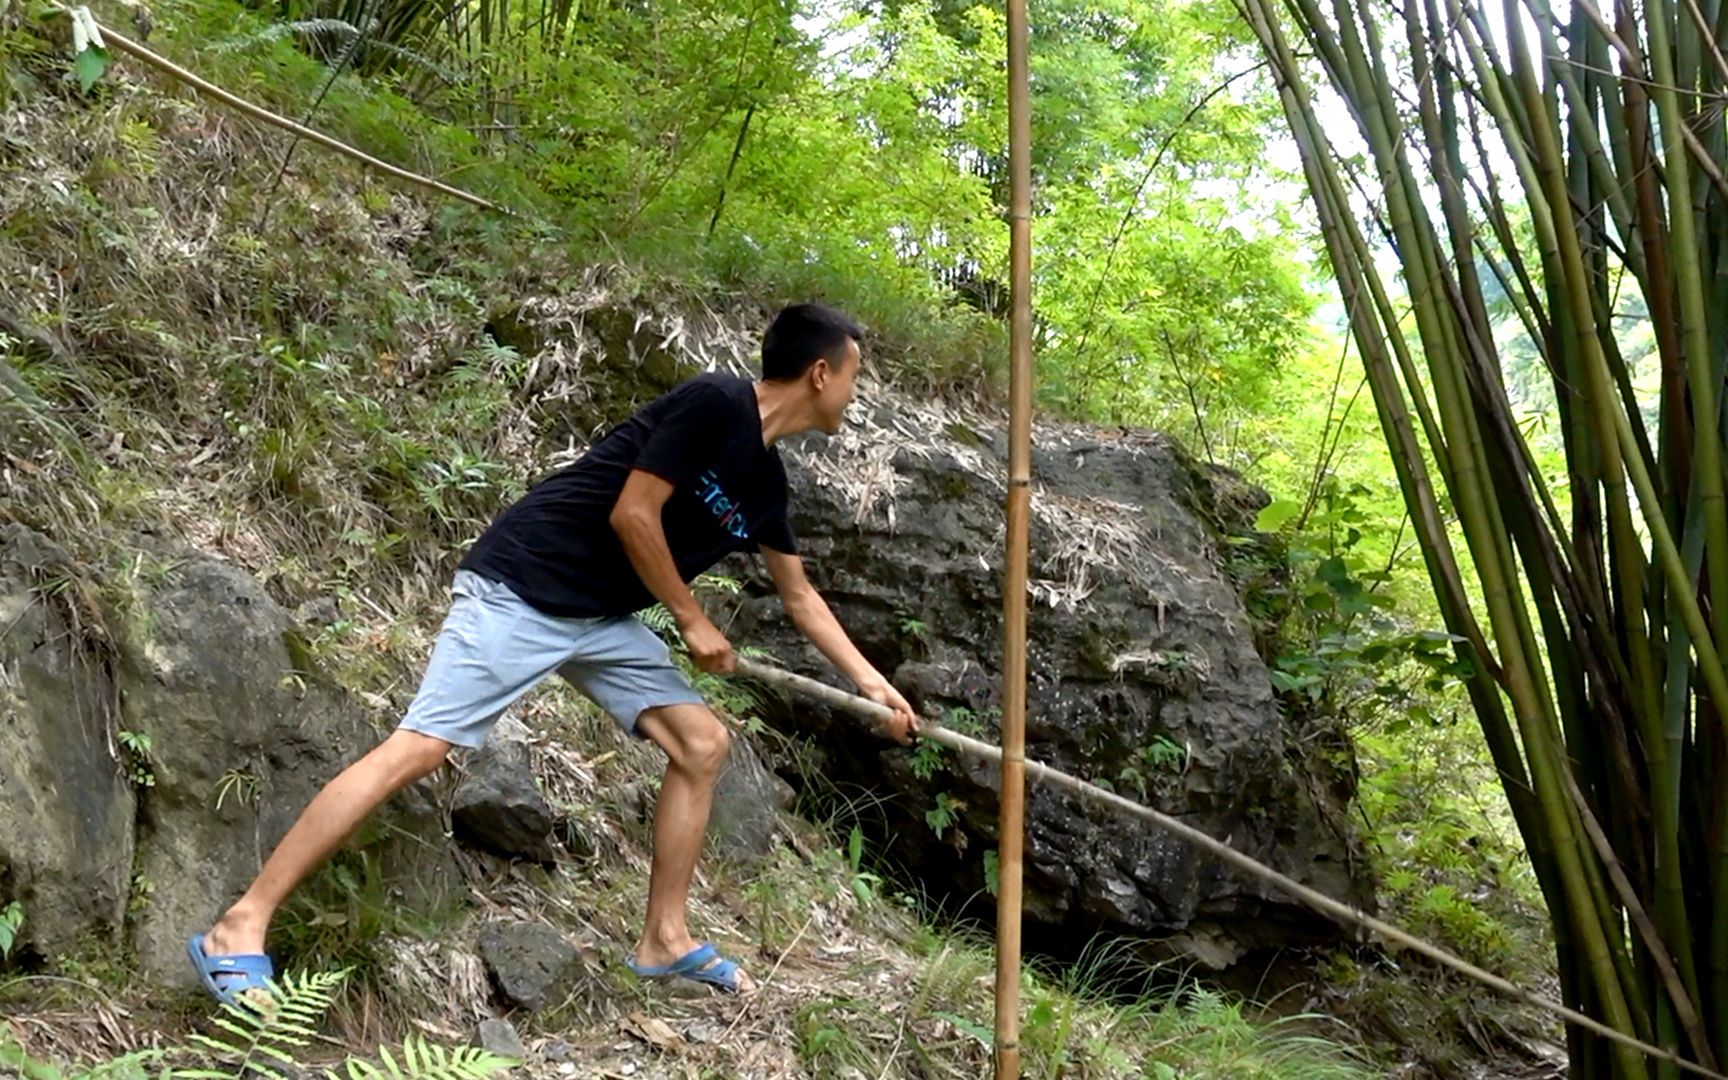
[{"x": 820, "y": 372}]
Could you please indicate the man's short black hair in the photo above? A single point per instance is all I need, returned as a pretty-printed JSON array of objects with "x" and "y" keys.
[{"x": 802, "y": 334}]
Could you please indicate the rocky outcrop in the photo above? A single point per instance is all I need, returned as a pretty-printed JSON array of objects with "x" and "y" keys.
[
  {"x": 1145, "y": 670},
  {"x": 67, "y": 808},
  {"x": 154, "y": 750},
  {"x": 159, "y": 734},
  {"x": 1144, "y": 675}
]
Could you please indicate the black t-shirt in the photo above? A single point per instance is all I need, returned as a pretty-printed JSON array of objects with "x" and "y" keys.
[{"x": 555, "y": 547}]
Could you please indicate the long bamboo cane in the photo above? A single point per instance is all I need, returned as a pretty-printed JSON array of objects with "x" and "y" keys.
[
  {"x": 1012, "y": 836},
  {"x": 258, "y": 112},
  {"x": 878, "y": 715}
]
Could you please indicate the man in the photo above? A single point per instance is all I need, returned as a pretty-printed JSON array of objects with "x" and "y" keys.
[{"x": 552, "y": 585}]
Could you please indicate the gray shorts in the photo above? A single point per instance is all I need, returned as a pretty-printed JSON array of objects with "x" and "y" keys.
[{"x": 495, "y": 646}]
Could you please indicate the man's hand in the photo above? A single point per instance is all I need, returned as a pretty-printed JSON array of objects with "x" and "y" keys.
[
  {"x": 810, "y": 614},
  {"x": 708, "y": 646},
  {"x": 904, "y": 721}
]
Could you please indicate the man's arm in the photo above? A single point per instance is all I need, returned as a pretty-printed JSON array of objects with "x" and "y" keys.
[
  {"x": 636, "y": 519},
  {"x": 811, "y": 615}
]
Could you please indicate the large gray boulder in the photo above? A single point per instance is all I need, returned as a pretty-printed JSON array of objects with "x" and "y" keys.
[
  {"x": 242, "y": 736},
  {"x": 1143, "y": 671},
  {"x": 153, "y": 752},
  {"x": 66, "y": 807}
]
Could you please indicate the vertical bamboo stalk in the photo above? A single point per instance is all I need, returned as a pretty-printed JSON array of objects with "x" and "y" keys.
[{"x": 1012, "y": 832}]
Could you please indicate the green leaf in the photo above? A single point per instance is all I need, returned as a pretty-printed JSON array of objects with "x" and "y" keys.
[
  {"x": 1287, "y": 682},
  {"x": 228, "y": 1025},
  {"x": 1276, "y": 515},
  {"x": 215, "y": 1045},
  {"x": 1041, "y": 1014},
  {"x": 13, "y": 1055},
  {"x": 90, "y": 66},
  {"x": 972, "y": 1028}
]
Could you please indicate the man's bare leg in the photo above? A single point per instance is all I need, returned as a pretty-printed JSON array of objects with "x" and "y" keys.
[
  {"x": 695, "y": 742},
  {"x": 328, "y": 820}
]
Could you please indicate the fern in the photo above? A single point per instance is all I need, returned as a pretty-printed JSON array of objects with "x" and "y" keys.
[
  {"x": 422, "y": 1060},
  {"x": 131, "y": 1066},
  {"x": 265, "y": 1036},
  {"x": 263, "y": 1041}
]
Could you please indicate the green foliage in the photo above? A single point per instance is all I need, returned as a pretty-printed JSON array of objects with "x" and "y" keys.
[
  {"x": 90, "y": 59},
  {"x": 941, "y": 817},
  {"x": 856, "y": 154},
  {"x": 927, "y": 758},
  {"x": 930, "y": 758},
  {"x": 1163, "y": 754},
  {"x": 13, "y": 1057},
  {"x": 11, "y": 921},
  {"x": 143, "y": 889},
  {"x": 266, "y": 1041},
  {"x": 91, "y": 65},
  {"x": 264, "y": 1038},
  {"x": 659, "y": 620},
  {"x": 241, "y": 785},
  {"x": 1161, "y": 758},
  {"x": 136, "y": 745},
  {"x": 1345, "y": 648},
  {"x": 346, "y": 913},
  {"x": 1066, "y": 1029},
  {"x": 826, "y": 1042},
  {"x": 1446, "y": 850},
  {"x": 422, "y": 1060},
  {"x": 865, "y": 885}
]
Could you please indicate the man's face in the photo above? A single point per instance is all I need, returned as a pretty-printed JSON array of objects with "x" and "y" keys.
[{"x": 836, "y": 386}]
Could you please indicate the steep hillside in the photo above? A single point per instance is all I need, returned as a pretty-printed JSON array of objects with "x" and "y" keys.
[{"x": 246, "y": 427}]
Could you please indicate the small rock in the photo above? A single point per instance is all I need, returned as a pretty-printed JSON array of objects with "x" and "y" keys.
[
  {"x": 500, "y": 1037},
  {"x": 555, "y": 1050},
  {"x": 498, "y": 806},
  {"x": 532, "y": 965},
  {"x": 701, "y": 1032}
]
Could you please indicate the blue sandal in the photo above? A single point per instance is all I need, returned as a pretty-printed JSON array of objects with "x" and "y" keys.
[
  {"x": 228, "y": 979},
  {"x": 703, "y": 964}
]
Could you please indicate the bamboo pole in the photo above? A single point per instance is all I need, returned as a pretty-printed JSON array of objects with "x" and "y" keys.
[
  {"x": 1011, "y": 835},
  {"x": 877, "y": 716},
  {"x": 258, "y": 112}
]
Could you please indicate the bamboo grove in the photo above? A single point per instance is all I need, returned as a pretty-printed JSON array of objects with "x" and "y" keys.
[{"x": 1569, "y": 166}]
